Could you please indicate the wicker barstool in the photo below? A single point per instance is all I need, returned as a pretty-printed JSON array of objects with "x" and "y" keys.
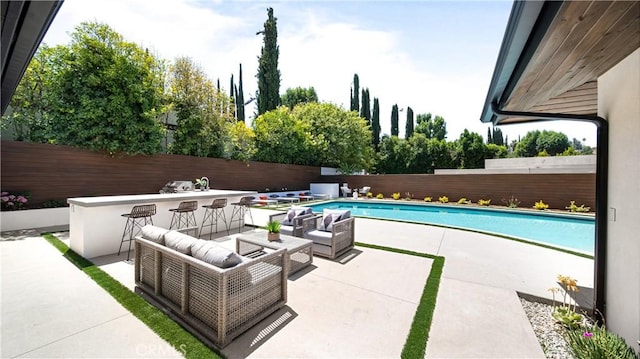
[
  {"x": 184, "y": 216},
  {"x": 138, "y": 217},
  {"x": 212, "y": 213},
  {"x": 239, "y": 210}
]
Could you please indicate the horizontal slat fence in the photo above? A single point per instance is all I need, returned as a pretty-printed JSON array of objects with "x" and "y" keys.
[
  {"x": 557, "y": 190},
  {"x": 59, "y": 172}
]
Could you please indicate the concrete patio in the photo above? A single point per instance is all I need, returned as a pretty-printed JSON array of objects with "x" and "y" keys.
[{"x": 359, "y": 306}]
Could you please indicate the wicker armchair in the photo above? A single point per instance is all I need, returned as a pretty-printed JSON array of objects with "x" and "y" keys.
[
  {"x": 295, "y": 228},
  {"x": 330, "y": 244},
  {"x": 215, "y": 304}
]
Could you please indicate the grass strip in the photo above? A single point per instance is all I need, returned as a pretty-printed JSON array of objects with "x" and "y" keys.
[
  {"x": 416, "y": 344},
  {"x": 181, "y": 340}
]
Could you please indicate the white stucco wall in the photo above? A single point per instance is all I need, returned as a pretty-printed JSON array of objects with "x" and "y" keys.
[{"x": 619, "y": 103}]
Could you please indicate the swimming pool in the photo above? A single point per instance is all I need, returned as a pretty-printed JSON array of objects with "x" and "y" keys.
[{"x": 564, "y": 231}]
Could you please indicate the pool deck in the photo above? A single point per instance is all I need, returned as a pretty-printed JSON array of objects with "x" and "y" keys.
[{"x": 478, "y": 313}]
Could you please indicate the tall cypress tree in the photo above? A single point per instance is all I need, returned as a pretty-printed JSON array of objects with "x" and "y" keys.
[
  {"x": 409, "y": 126},
  {"x": 375, "y": 123},
  {"x": 355, "y": 100},
  {"x": 365, "y": 110},
  {"x": 240, "y": 98},
  {"x": 489, "y": 139},
  {"x": 232, "y": 95},
  {"x": 268, "y": 96},
  {"x": 394, "y": 120}
]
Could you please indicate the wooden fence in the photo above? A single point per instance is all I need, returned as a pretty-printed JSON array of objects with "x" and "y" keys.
[{"x": 51, "y": 172}]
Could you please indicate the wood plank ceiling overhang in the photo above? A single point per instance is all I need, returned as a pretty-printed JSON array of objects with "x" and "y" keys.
[
  {"x": 571, "y": 44},
  {"x": 24, "y": 24}
]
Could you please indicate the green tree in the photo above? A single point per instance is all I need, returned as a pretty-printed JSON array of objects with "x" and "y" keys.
[
  {"x": 108, "y": 94},
  {"x": 552, "y": 142},
  {"x": 409, "y": 125},
  {"x": 496, "y": 151},
  {"x": 299, "y": 95},
  {"x": 526, "y": 147},
  {"x": 282, "y": 138},
  {"x": 365, "y": 110},
  {"x": 489, "y": 138},
  {"x": 202, "y": 111},
  {"x": 355, "y": 94},
  {"x": 28, "y": 117},
  {"x": 427, "y": 154},
  {"x": 497, "y": 137},
  {"x": 268, "y": 96},
  {"x": 470, "y": 150},
  {"x": 239, "y": 143},
  {"x": 394, "y": 120},
  {"x": 240, "y": 98},
  {"x": 392, "y": 155},
  {"x": 431, "y": 127},
  {"x": 340, "y": 138},
  {"x": 375, "y": 123}
]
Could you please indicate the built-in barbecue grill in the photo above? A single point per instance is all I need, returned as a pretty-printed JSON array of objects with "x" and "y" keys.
[{"x": 177, "y": 186}]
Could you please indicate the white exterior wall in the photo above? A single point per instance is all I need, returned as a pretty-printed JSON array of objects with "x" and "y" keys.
[{"x": 619, "y": 104}]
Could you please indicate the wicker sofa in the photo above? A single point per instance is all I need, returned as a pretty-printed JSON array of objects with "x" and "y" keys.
[
  {"x": 216, "y": 303},
  {"x": 332, "y": 232}
]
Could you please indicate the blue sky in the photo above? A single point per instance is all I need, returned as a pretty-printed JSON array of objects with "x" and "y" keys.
[{"x": 434, "y": 56}]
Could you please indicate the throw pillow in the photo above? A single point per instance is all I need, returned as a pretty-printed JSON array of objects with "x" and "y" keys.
[{"x": 217, "y": 255}]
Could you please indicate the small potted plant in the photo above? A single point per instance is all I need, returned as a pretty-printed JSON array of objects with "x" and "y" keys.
[{"x": 273, "y": 229}]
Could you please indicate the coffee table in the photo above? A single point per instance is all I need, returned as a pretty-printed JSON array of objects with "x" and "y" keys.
[{"x": 299, "y": 250}]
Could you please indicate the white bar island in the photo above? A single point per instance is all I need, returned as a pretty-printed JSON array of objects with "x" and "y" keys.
[{"x": 96, "y": 224}]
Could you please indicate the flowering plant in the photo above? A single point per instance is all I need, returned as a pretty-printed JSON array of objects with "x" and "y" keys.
[
  {"x": 12, "y": 202},
  {"x": 566, "y": 314}
]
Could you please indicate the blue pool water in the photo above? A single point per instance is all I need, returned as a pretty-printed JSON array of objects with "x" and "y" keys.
[{"x": 571, "y": 232}]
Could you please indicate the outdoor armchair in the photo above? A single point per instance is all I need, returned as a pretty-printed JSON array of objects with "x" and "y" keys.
[
  {"x": 332, "y": 232},
  {"x": 291, "y": 221}
]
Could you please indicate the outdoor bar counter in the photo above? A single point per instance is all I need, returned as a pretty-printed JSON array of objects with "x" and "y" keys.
[{"x": 96, "y": 224}]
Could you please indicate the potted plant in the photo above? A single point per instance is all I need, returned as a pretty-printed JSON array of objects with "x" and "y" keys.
[{"x": 273, "y": 229}]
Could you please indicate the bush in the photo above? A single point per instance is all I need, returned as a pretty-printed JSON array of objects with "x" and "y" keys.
[
  {"x": 443, "y": 199},
  {"x": 380, "y": 196},
  {"x": 541, "y": 205},
  {"x": 574, "y": 208},
  {"x": 598, "y": 342},
  {"x": 408, "y": 196},
  {"x": 369, "y": 195},
  {"x": 511, "y": 202},
  {"x": 484, "y": 202},
  {"x": 427, "y": 199},
  {"x": 396, "y": 195},
  {"x": 463, "y": 201},
  {"x": 13, "y": 202}
]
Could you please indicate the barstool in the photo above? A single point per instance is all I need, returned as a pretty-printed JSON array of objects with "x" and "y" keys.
[
  {"x": 183, "y": 216},
  {"x": 239, "y": 209},
  {"x": 212, "y": 213},
  {"x": 136, "y": 219}
]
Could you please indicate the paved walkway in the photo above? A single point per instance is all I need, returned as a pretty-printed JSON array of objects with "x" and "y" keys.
[{"x": 358, "y": 308}]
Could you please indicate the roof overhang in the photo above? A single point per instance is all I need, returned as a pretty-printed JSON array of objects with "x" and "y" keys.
[
  {"x": 553, "y": 53},
  {"x": 24, "y": 24}
]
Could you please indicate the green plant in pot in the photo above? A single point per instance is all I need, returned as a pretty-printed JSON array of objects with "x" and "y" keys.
[{"x": 273, "y": 231}]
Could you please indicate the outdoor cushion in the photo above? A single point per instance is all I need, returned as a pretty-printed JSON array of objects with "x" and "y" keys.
[
  {"x": 218, "y": 256},
  {"x": 295, "y": 212},
  {"x": 319, "y": 237},
  {"x": 179, "y": 242},
  {"x": 154, "y": 234},
  {"x": 286, "y": 230}
]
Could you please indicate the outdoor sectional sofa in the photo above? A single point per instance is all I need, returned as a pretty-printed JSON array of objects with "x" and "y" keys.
[{"x": 216, "y": 302}]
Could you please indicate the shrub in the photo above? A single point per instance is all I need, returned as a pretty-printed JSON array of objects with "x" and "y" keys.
[
  {"x": 597, "y": 342},
  {"x": 13, "y": 202},
  {"x": 443, "y": 199},
  {"x": 511, "y": 202},
  {"x": 408, "y": 196},
  {"x": 541, "y": 205},
  {"x": 369, "y": 195},
  {"x": 573, "y": 208},
  {"x": 463, "y": 201},
  {"x": 396, "y": 195},
  {"x": 379, "y": 196},
  {"x": 484, "y": 202},
  {"x": 427, "y": 199}
]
